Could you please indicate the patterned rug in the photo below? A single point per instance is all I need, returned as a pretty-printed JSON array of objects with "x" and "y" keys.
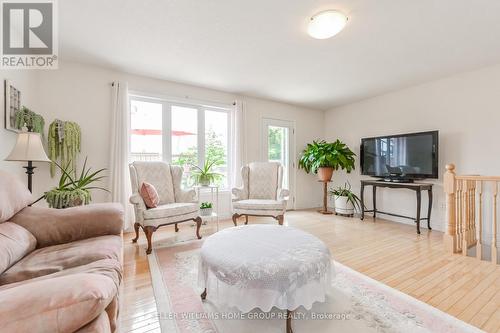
[{"x": 356, "y": 304}]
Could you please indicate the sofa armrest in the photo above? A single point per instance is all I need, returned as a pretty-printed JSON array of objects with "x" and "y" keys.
[
  {"x": 59, "y": 304},
  {"x": 58, "y": 226}
]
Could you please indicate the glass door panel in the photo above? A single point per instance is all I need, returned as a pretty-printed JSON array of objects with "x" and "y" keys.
[
  {"x": 277, "y": 138},
  {"x": 277, "y": 147}
]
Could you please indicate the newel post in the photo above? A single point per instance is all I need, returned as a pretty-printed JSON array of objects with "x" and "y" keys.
[{"x": 450, "y": 238}]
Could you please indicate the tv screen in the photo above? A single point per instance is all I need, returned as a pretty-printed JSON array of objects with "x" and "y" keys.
[{"x": 409, "y": 156}]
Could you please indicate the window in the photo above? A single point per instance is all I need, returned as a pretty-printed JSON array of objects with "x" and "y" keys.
[
  {"x": 146, "y": 130},
  {"x": 183, "y": 134}
]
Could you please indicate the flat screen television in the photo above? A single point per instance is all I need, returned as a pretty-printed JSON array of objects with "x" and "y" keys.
[{"x": 403, "y": 157}]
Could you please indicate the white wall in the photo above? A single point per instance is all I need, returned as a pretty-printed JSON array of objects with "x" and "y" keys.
[
  {"x": 82, "y": 93},
  {"x": 465, "y": 108}
]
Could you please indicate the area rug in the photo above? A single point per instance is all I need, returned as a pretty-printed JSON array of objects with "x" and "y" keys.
[{"x": 356, "y": 303}]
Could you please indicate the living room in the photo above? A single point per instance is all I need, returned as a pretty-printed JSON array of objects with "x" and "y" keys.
[{"x": 208, "y": 126}]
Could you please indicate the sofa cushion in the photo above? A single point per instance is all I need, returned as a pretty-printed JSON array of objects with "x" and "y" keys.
[
  {"x": 106, "y": 267},
  {"x": 62, "y": 304},
  {"x": 57, "y": 226},
  {"x": 15, "y": 243},
  {"x": 14, "y": 196},
  {"x": 149, "y": 195},
  {"x": 56, "y": 258},
  {"x": 255, "y": 204},
  {"x": 174, "y": 209}
]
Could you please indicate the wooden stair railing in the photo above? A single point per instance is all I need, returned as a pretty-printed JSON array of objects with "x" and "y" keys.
[{"x": 465, "y": 221}]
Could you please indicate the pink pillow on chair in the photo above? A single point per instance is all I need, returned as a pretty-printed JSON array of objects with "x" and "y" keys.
[{"x": 149, "y": 195}]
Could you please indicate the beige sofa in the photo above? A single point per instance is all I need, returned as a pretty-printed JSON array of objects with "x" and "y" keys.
[{"x": 60, "y": 270}]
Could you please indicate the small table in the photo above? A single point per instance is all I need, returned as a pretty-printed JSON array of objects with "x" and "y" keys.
[
  {"x": 265, "y": 266},
  {"x": 214, "y": 199},
  {"x": 417, "y": 187}
]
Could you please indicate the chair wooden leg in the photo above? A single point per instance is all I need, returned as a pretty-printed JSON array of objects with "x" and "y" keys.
[
  {"x": 149, "y": 235},
  {"x": 198, "y": 221},
  {"x": 280, "y": 219},
  {"x": 204, "y": 294},
  {"x": 136, "y": 228},
  {"x": 176, "y": 228},
  {"x": 235, "y": 218},
  {"x": 246, "y": 219}
]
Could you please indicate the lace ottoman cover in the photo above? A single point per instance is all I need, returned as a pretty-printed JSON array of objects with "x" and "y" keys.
[{"x": 265, "y": 266}]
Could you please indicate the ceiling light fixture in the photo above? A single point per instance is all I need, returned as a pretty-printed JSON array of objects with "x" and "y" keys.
[{"x": 326, "y": 24}]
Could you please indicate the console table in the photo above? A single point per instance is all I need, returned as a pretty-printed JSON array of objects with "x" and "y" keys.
[{"x": 417, "y": 187}]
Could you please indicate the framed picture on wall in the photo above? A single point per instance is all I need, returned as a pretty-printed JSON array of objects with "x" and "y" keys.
[{"x": 12, "y": 104}]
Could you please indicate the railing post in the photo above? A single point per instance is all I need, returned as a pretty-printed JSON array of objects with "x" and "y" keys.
[{"x": 450, "y": 238}]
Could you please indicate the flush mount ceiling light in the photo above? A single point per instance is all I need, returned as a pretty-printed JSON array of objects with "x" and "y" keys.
[{"x": 326, "y": 24}]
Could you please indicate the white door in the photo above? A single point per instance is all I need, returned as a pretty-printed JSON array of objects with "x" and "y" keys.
[{"x": 278, "y": 142}]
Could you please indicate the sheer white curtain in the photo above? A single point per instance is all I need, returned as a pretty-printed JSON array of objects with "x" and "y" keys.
[
  {"x": 119, "y": 153},
  {"x": 238, "y": 143}
]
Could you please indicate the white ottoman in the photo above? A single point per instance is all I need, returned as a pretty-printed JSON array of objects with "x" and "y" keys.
[{"x": 265, "y": 266}]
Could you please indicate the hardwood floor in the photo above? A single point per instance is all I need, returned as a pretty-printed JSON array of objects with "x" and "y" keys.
[{"x": 389, "y": 252}]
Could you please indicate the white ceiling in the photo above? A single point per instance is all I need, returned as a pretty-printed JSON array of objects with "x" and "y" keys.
[{"x": 260, "y": 47}]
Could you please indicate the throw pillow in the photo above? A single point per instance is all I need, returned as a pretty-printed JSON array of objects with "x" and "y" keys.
[{"x": 149, "y": 195}]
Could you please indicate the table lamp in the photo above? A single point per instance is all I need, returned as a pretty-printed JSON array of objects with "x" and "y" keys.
[{"x": 28, "y": 148}]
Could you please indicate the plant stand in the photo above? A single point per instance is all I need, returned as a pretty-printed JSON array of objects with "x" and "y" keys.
[
  {"x": 214, "y": 199},
  {"x": 325, "y": 210}
]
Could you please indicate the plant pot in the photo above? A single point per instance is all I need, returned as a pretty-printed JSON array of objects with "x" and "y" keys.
[
  {"x": 342, "y": 206},
  {"x": 325, "y": 174},
  {"x": 66, "y": 199},
  {"x": 204, "y": 181},
  {"x": 206, "y": 211}
]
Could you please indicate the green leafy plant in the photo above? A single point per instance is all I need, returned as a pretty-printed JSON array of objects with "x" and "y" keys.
[
  {"x": 64, "y": 144},
  {"x": 33, "y": 121},
  {"x": 345, "y": 191},
  {"x": 74, "y": 191},
  {"x": 327, "y": 154},
  {"x": 206, "y": 205},
  {"x": 205, "y": 176}
]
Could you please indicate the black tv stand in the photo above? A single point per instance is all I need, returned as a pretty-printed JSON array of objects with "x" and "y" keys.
[{"x": 417, "y": 187}]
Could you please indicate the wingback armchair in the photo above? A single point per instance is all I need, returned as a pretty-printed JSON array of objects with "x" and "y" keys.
[
  {"x": 176, "y": 205},
  {"x": 261, "y": 193}
]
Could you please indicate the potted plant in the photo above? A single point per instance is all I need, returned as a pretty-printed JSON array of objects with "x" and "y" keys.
[
  {"x": 323, "y": 157},
  {"x": 204, "y": 176},
  {"x": 206, "y": 209},
  {"x": 72, "y": 191},
  {"x": 345, "y": 200}
]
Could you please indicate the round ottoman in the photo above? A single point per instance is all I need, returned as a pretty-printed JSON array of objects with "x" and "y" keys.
[{"x": 265, "y": 266}]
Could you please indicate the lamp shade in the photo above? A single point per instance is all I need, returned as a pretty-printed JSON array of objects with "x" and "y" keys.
[{"x": 28, "y": 147}]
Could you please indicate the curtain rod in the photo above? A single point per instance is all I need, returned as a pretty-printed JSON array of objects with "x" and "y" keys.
[{"x": 186, "y": 97}]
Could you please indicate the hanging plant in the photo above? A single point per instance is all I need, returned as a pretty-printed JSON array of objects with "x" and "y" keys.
[
  {"x": 64, "y": 144},
  {"x": 27, "y": 118}
]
